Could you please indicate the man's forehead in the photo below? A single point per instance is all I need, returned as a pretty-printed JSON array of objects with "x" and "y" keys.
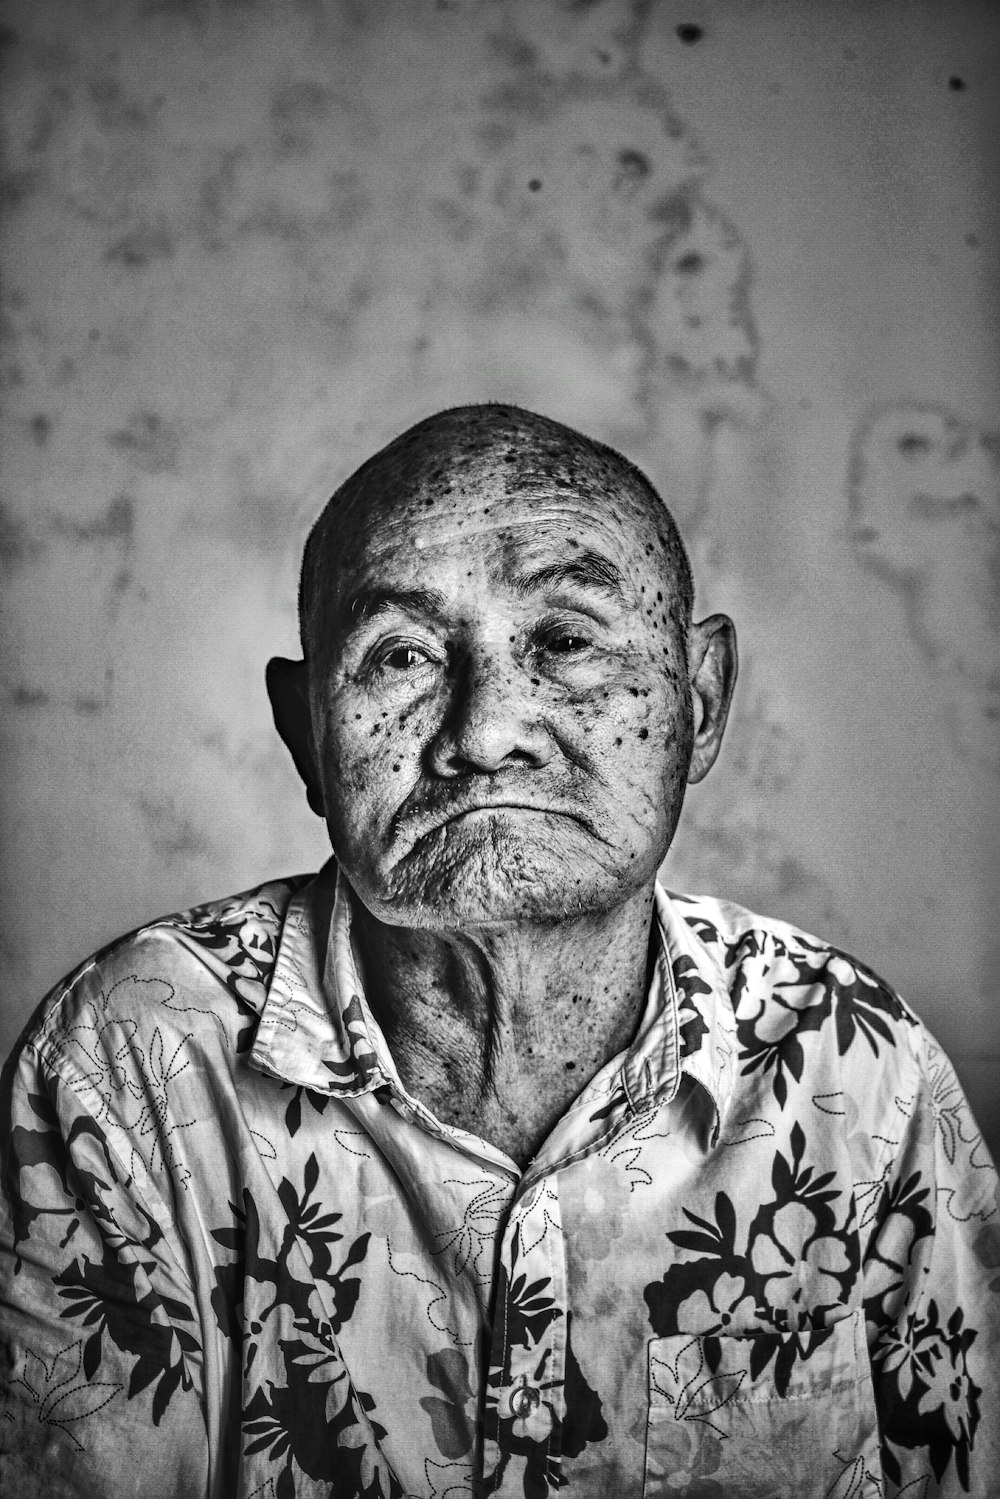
[
  {"x": 501, "y": 488},
  {"x": 511, "y": 525},
  {"x": 499, "y": 494}
]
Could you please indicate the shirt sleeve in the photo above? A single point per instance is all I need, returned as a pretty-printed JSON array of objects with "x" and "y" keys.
[
  {"x": 100, "y": 1358},
  {"x": 932, "y": 1295}
]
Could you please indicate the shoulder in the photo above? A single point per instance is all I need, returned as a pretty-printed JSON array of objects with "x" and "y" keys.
[
  {"x": 203, "y": 970},
  {"x": 786, "y": 985},
  {"x": 737, "y": 937},
  {"x": 822, "y": 1038}
]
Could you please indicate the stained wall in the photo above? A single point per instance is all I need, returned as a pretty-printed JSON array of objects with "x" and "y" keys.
[{"x": 754, "y": 245}]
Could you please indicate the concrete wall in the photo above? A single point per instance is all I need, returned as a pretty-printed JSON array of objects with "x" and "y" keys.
[{"x": 753, "y": 244}]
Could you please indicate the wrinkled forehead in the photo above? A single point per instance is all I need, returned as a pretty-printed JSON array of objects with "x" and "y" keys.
[{"x": 510, "y": 489}]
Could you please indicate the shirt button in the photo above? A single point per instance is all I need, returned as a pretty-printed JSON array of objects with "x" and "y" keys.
[{"x": 521, "y": 1400}]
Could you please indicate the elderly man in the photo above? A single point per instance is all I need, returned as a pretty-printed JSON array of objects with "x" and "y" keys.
[{"x": 478, "y": 1163}]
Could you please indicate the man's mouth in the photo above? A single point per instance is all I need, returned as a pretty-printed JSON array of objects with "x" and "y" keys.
[
  {"x": 436, "y": 813},
  {"x": 498, "y": 807}
]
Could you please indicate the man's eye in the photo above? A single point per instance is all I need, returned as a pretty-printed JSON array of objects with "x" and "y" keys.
[
  {"x": 403, "y": 658},
  {"x": 566, "y": 643}
]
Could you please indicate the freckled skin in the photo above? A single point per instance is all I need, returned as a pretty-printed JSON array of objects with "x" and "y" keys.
[
  {"x": 502, "y": 697},
  {"x": 500, "y": 753}
]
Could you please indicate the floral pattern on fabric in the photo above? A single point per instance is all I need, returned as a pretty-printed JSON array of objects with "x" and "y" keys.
[
  {"x": 241, "y": 937},
  {"x": 715, "y": 1427},
  {"x": 312, "y": 1421},
  {"x": 789, "y": 1269},
  {"x": 112, "y": 1300},
  {"x": 805, "y": 998},
  {"x": 360, "y": 1066},
  {"x": 927, "y": 1395},
  {"x": 247, "y": 1283}
]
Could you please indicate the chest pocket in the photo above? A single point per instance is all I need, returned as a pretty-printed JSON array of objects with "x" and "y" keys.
[{"x": 719, "y": 1429}]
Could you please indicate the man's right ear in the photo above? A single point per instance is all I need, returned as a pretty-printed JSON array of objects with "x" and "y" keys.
[{"x": 288, "y": 689}]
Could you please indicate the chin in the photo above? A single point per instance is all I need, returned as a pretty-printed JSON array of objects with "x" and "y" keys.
[{"x": 500, "y": 874}]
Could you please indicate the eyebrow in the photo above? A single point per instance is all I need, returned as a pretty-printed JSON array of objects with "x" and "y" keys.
[
  {"x": 368, "y": 603},
  {"x": 588, "y": 570}
]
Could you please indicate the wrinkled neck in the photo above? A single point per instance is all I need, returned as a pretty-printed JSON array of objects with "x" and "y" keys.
[{"x": 497, "y": 1029}]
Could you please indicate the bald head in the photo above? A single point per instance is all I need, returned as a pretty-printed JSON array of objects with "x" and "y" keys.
[{"x": 534, "y": 455}]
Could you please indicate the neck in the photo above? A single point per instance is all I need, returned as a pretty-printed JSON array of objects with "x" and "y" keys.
[{"x": 496, "y": 1030}]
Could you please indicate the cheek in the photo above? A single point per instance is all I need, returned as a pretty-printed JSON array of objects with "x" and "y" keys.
[
  {"x": 639, "y": 738},
  {"x": 370, "y": 745},
  {"x": 630, "y": 712}
]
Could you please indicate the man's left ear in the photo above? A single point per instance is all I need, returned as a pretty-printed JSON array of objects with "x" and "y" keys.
[
  {"x": 712, "y": 668},
  {"x": 288, "y": 689}
]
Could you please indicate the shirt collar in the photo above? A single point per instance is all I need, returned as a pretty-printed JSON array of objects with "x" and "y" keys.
[{"x": 316, "y": 1029}]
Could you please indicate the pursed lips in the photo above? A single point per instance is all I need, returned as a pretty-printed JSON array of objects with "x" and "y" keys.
[
  {"x": 434, "y": 818},
  {"x": 502, "y": 807}
]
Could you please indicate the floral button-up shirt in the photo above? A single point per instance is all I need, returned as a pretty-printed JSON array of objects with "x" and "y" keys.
[{"x": 759, "y": 1255}]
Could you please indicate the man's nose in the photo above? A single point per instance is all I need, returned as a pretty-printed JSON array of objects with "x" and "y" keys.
[{"x": 494, "y": 721}]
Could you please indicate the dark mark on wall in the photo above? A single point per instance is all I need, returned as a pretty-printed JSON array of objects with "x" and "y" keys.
[
  {"x": 921, "y": 491},
  {"x": 53, "y": 109},
  {"x": 344, "y": 209},
  {"x": 360, "y": 294},
  {"x": 17, "y": 546},
  {"x": 681, "y": 278},
  {"x": 634, "y": 163},
  {"x": 913, "y": 445},
  {"x": 216, "y": 196},
  {"x": 141, "y": 246},
  {"x": 115, "y": 109},
  {"x": 689, "y": 33},
  {"x": 148, "y": 441},
  {"x": 87, "y": 705},
  {"x": 956, "y": 83},
  {"x": 173, "y": 837},
  {"x": 13, "y": 375},
  {"x": 515, "y": 51},
  {"x": 243, "y": 756},
  {"x": 460, "y": 223},
  {"x": 53, "y": 57},
  {"x": 15, "y": 188},
  {"x": 674, "y": 213},
  {"x": 526, "y": 100},
  {"x": 293, "y": 109},
  {"x": 23, "y": 696},
  {"x": 117, "y": 524},
  {"x": 349, "y": 202},
  {"x": 972, "y": 240},
  {"x": 41, "y": 429}
]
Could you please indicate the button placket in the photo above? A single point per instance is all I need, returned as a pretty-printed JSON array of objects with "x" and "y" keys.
[{"x": 528, "y": 1359}]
